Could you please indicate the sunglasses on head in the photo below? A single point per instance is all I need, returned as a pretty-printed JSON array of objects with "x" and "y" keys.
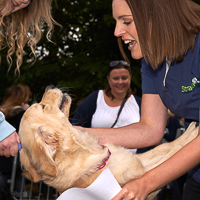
[{"x": 117, "y": 62}]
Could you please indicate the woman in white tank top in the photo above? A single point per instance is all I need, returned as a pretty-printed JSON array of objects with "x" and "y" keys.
[{"x": 108, "y": 101}]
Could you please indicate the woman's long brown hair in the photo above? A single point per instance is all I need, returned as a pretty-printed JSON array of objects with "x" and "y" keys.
[{"x": 166, "y": 28}]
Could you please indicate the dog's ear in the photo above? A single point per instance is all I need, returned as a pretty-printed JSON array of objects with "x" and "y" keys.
[
  {"x": 30, "y": 173},
  {"x": 48, "y": 133},
  {"x": 50, "y": 136}
]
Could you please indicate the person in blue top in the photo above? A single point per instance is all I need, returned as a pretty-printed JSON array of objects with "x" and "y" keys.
[
  {"x": 19, "y": 21},
  {"x": 165, "y": 35}
]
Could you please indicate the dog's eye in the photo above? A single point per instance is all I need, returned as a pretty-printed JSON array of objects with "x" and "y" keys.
[{"x": 43, "y": 106}]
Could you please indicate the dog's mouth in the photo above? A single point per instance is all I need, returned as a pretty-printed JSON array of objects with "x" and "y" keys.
[
  {"x": 63, "y": 101},
  {"x": 64, "y": 96}
]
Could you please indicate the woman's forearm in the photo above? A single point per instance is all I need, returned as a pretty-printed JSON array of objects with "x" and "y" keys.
[
  {"x": 136, "y": 135},
  {"x": 148, "y": 132}
]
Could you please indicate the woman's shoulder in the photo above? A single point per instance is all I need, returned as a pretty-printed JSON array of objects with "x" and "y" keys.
[
  {"x": 89, "y": 101},
  {"x": 91, "y": 97},
  {"x": 138, "y": 99}
]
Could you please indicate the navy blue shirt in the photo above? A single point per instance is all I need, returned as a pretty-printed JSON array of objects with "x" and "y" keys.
[{"x": 181, "y": 92}]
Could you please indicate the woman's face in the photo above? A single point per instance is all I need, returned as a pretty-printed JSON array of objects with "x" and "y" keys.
[
  {"x": 125, "y": 27},
  {"x": 119, "y": 81},
  {"x": 14, "y": 6}
]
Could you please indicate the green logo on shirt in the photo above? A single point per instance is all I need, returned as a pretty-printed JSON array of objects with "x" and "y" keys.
[{"x": 190, "y": 88}]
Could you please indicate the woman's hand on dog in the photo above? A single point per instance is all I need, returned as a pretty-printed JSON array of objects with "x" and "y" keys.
[
  {"x": 132, "y": 190},
  {"x": 95, "y": 132}
]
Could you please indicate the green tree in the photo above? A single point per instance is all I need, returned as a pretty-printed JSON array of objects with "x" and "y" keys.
[{"x": 79, "y": 56}]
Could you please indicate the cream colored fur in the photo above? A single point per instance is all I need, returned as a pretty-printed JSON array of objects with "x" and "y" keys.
[{"x": 64, "y": 157}]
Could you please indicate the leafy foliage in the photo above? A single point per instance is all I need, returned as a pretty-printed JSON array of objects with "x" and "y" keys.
[{"x": 79, "y": 56}]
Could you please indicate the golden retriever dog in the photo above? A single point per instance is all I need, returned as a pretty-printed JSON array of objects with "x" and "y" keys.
[{"x": 64, "y": 157}]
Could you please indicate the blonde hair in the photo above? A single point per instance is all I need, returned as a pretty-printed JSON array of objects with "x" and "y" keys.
[
  {"x": 24, "y": 27},
  {"x": 166, "y": 28}
]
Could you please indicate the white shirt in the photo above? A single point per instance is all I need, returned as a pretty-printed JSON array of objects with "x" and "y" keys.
[{"x": 105, "y": 115}]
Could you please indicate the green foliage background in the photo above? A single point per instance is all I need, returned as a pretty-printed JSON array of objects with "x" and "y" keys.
[{"x": 79, "y": 57}]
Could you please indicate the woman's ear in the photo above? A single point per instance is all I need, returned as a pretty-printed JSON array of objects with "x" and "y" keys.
[{"x": 108, "y": 78}]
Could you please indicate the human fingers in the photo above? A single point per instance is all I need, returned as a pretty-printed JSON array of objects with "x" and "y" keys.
[
  {"x": 14, "y": 148},
  {"x": 9, "y": 147},
  {"x": 18, "y": 138},
  {"x": 131, "y": 191},
  {"x": 124, "y": 194}
]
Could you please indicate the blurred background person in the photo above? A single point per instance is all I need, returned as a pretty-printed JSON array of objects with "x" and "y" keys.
[
  {"x": 26, "y": 95},
  {"x": 173, "y": 125},
  {"x": 13, "y": 110},
  {"x": 101, "y": 107}
]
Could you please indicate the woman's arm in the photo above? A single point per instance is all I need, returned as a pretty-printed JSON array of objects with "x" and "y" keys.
[
  {"x": 148, "y": 132},
  {"x": 180, "y": 163}
]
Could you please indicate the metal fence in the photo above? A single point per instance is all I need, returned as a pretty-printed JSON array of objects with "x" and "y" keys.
[{"x": 29, "y": 190}]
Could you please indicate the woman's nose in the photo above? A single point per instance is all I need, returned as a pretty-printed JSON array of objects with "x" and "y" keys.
[
  {"x": 120, "y": 81},
  {"x": 118, "y": 30}
]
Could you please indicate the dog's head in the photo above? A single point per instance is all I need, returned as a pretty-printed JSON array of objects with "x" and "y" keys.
[
  {"x": 41, "y": 133},
  {"x": 52, "y": 149}
]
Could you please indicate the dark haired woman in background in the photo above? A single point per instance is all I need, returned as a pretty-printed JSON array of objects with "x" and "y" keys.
[{"x": 100, "y": 108}]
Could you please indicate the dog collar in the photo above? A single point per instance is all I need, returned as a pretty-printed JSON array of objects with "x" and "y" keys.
[{"x": 104, "y": 160}]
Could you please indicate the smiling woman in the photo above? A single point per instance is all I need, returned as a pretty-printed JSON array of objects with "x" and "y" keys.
[{"x": 101, "y": 108}]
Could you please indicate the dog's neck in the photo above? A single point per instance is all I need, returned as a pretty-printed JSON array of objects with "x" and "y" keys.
[
  {"x": 84, "y": 183},
  {"x": 105, "y": 160},
  {"x": 85, "y": 153}
]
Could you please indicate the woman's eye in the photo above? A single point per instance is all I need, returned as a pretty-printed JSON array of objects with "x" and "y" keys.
[
  {"x": 124, "y": 78},
  {"x": 127, "y": 23}
]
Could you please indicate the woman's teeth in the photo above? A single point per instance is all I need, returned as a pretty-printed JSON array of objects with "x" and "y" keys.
[
  {"x": 14, "y": 2},
  {"x": 127, "y": 41}
]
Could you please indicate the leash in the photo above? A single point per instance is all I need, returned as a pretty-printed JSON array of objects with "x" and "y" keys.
[{"x": 19, "y": 146}]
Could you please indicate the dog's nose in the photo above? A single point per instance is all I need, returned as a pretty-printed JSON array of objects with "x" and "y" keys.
[{"x": 49, "y": 87}]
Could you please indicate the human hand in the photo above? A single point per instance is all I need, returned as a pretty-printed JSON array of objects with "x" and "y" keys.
[
  {"x": 9, "y": 147},
  {"x": 25, "y": 106},
  {"x": 95, "y": 132},
  {"x": 130, "y": 191}
]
